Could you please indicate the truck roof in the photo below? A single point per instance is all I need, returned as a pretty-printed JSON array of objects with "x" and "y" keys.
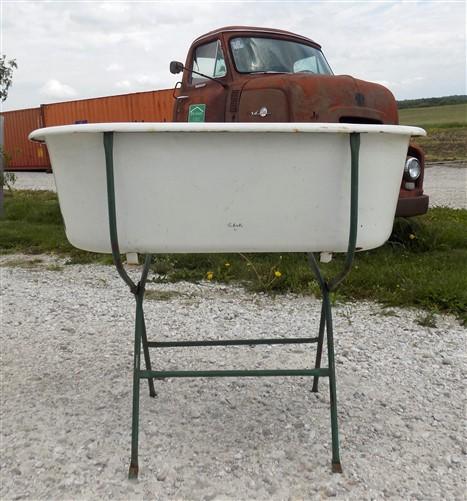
[{"x": 256, "y": 29}]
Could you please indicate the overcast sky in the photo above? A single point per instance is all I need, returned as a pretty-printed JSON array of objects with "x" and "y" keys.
[{"x": 72, "y": 50}]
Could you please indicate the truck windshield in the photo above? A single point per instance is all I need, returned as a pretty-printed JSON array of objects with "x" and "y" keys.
[{"x": 272, "y": 55}]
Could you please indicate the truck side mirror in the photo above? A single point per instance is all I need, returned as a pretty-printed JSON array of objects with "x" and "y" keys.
[{"x": 176, "y": 67}]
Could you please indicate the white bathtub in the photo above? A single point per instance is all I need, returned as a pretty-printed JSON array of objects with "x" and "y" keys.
[{"x": 227, "y": 187}]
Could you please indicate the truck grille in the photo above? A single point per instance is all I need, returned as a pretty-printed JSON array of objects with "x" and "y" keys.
[{"x": 359, "y": 120}]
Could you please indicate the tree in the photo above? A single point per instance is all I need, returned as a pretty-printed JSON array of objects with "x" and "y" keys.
[
  {"x": 6, "y": 75},
  {"x": 6, "y": 78}
]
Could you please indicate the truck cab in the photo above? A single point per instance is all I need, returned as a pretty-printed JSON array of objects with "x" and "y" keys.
[{"x": 250, "y": 74}]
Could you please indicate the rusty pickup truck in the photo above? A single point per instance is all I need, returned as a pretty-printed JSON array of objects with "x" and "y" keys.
[{"x": 251, "y": 74}]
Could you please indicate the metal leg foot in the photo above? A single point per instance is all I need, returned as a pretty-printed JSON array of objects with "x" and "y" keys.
[
  {"x": 133, "y": 472},
  {"x": 336, "y": 468}
]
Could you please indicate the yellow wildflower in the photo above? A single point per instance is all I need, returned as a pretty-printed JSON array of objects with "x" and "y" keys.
[
  {"x": 277, "y": 274},
  {"x": 209, "y": 275},
  {"x": 412, "y": 236},
  {"x": 227, "y": 265}
]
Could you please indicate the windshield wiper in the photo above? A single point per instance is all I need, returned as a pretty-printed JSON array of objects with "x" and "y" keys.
[{"x": 268, "y": 72}]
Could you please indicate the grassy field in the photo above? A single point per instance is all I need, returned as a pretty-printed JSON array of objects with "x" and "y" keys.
[
  {"x": 435, "y": 116},
  {"x": 446, "y": 127},
  {"x": 444, "y": 144},
  {"x": 425, "y": 102},
  {"x": 424, "y": 264}
]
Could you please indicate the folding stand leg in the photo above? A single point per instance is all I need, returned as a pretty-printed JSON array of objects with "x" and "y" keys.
[
  {"x": 326, "y": 322},
  {"x": 147, "y": 359},
  {"x": 138, "y": 292},
  {"x": 139, "y": 333},
  {"x": 133, "y": 471},
  {"x": 326, "y": 286},
  {"x": 319, "y": 348},
  {"x": 336, "y": 462}
]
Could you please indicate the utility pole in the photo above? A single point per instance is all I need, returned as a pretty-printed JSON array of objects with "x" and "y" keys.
[{"x": 2, "y": 166}]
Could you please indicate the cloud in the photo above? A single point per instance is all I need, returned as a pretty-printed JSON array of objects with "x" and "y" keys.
[
  {"x": 416, "y": 48},
  {"x": 114, "y": 67},
  {"x": 123, "y": 84},
  {"x": 139, "y": 82},
  {"x": 55, "y": 89},
  {"x": 147, "y": 80}
]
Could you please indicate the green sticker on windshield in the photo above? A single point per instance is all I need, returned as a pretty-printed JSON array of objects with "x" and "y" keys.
[{"x": 196, "y": 112}]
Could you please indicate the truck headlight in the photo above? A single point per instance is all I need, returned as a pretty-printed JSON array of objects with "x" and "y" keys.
[{"x": 412, "y": 169}]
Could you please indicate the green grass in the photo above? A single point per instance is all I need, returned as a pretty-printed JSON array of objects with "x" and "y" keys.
[
  {"x": 435, "y": 116},
  {"x": 446, "y": 127},
  {"x": 33, "y": 225},
  {"x": 425, "y": 102},
  {"x": 444, "y": 144},
  {"x": 424, "y": 264}
]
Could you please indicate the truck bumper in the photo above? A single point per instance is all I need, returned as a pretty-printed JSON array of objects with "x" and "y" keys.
[{"x": 412, "y": 206}]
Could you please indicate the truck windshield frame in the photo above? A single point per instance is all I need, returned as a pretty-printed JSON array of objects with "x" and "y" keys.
[{"x": 258, "y": 54}]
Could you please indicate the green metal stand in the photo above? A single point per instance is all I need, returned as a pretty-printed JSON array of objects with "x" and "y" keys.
[{"x": 326, "y": 286}]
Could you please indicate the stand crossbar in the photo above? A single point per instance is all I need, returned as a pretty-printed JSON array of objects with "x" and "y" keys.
[
  {"x": 235, "y": 373},
  {"x": 325, "y": 325},
  {"x": 232, "y": 342}
]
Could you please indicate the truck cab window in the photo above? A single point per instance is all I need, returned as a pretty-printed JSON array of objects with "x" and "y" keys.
[
  {"x": 271, "y": 55},
  {"x": 306, "y": 65},
  {"x": 208, "y": 59}
]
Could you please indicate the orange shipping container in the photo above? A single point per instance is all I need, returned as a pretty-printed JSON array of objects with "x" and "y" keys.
[
  {"x": 21, "y": 153},
  {"x": 152, "y": 106}
]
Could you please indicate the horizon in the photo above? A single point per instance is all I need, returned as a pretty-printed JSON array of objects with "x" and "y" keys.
[{"x": 155, "y": 90}]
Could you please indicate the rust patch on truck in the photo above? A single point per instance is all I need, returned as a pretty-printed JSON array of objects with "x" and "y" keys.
[{"x": 252, "y": 74}]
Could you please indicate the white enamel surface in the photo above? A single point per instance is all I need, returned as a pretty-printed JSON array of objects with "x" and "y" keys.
[
  {"x": 267, "y": 187},
  {"x": 40, "y": 134}
]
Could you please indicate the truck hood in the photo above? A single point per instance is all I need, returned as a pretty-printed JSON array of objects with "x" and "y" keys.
[{"x": 317, "y": 98}]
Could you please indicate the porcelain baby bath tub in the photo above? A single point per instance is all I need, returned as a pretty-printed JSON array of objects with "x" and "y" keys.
[{"x": 227, "y": 187}]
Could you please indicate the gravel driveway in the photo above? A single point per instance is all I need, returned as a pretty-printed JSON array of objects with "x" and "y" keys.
[
  {"x": 67, "y": 342},
  {"x": 66, "y": 395},
  {"x": 446, "y": 183}
]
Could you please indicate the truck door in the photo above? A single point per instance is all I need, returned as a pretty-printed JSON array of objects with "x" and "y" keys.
[{"x": 201, "y": 99}]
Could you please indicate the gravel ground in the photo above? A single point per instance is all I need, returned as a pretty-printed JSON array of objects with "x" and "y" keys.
[
  {"x": 66, "y": 395},
  {"x": 446, "y": 183},
  {"x": 34, "y": 181}
]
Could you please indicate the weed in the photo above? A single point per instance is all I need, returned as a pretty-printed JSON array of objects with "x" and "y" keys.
[
  {"x": 264, "y": 279},
  {"x": 22, "y": 263},
  {"x": 347, "y": 314},
  {"x": 424, "y": 264},
  {"x": 388, "y": 313},
  {"x": 427, "y": 319},
  {"x": 7, "y": 179},
  {"x": 155, "y": 295},
  {"x": 54, "y": 267}
]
